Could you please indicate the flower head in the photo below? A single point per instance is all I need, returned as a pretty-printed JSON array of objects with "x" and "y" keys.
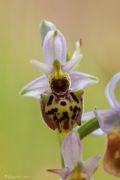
[
  {"x": 55, "y": 48},
  {"x": 75, "y": 167},
  {"x": 109, "y": 121},
  {"x": 59, "y": 89}
]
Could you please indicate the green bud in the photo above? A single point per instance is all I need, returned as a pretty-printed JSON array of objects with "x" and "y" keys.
[{"x": 45, "y": 26}]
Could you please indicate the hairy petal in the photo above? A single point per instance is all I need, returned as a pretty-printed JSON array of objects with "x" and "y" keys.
[
  {"x": 36, "y": 87},
  {"x": 72, "y": 150},
  {"x": 42, "y": 66},
  {"x": 110, "y": 91},
  {"x": 80, "y": 80},
  {"x": 54, "y": 47},
  {"x": 108, "y": 119},
  {"x": 91, "y": 165}
]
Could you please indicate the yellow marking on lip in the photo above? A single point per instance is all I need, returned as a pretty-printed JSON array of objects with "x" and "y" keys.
[{"x": 57, "y": 68}]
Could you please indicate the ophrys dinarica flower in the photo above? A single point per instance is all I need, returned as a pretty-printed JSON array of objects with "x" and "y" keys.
[{"x": 60, "y": 88}]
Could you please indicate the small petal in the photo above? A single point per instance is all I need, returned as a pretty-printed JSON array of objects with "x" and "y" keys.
[
  {"x": 72, "y": 150},
  {"x": 91, "y": 165},
  {"x": 77, "y": 50},
  {"x": 110, "y": 91},
  {"x": 36, "y": 87},
  {"x": 80, "y": 80},
  {"x": 41, "y": 66},
  {"x": 45, "y": 26},
  {"x": 61, "y": 47},
  {"x": 71, "y": 63},
  {"x": 54, "y": 47},
  {"x": 108, "y": 119},
  {"x": 63, "y": 173},
  {"x": 112, "y": 155},
  {"x": 76, "y": 58}
]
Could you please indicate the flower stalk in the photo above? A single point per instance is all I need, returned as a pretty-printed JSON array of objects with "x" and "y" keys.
[{"x": 88, "y": 127}]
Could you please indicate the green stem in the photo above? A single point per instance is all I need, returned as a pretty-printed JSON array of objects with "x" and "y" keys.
[
  {"x": 60, "y": 140},
  {"x": 88, "y": 127}
]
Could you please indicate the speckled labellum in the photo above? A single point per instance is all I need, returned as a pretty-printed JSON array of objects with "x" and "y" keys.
[
  {"x": 62, "y": 112},
  {"x": 62, "y": 108}
]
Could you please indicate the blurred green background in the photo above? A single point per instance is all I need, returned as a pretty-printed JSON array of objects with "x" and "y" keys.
[{"x": 27, "y": 146}]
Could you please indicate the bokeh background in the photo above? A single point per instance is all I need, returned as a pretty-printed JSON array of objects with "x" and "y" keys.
[{"x": 27, "y": 146}]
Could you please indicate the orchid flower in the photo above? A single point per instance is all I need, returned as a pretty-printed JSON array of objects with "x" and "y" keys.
[
  {"x": 59, "y": 88},
  {"x": 109, "y": 121},
  {"x": 75, "y": 167}
]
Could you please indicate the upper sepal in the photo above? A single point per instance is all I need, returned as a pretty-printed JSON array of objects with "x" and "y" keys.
[
  {"x": 54, "y": 47},
  {"x": 45, "y": 27}
]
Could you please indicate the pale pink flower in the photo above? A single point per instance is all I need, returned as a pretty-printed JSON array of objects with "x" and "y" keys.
[{"x": 75, "y": 167}]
